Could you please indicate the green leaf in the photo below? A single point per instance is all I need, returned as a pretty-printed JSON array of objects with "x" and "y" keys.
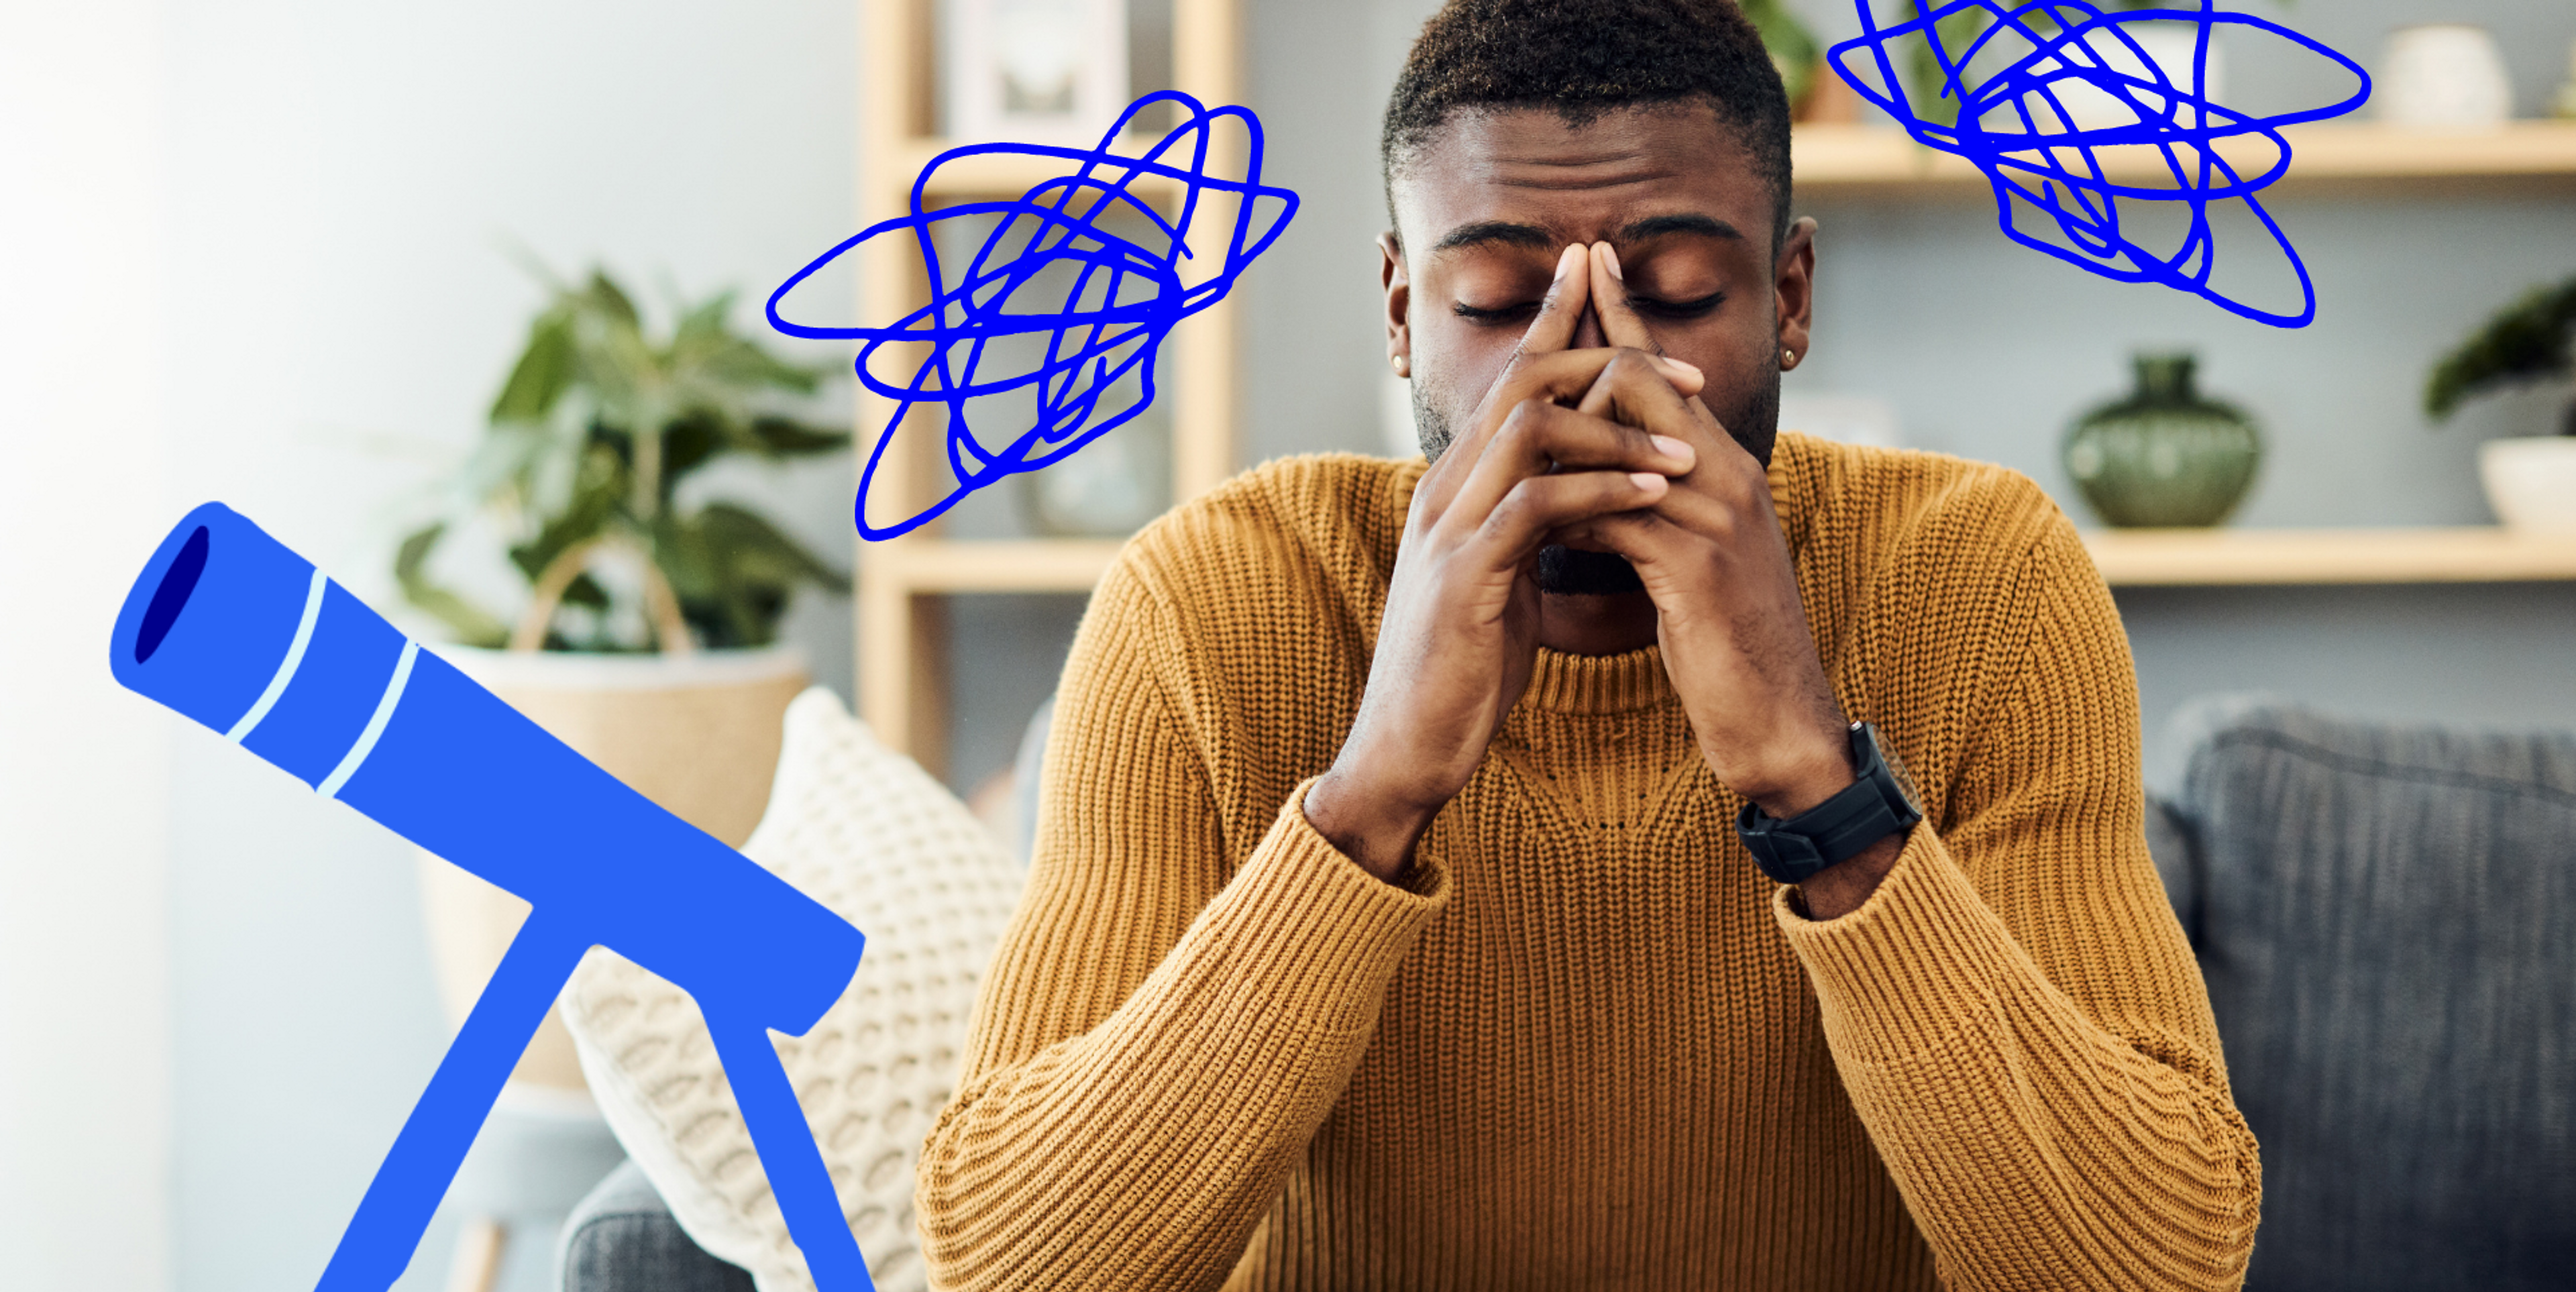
[
  {"x": 754, "y": 549},
  {"x": 544, "y": 368},
  {"x": 1793, "y": 48},
  {"x": 688, "y": 444},
  {"x": 594, "y": 506},
  {"x": 786, "y": 437},
  {"x": 2527, "y": 341},
  {"x": 471, "y": 623},
  {"x": 604, "y": 294}
]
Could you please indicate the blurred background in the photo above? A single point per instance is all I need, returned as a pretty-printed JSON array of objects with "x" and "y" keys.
[{"x": 276, "y": 252}]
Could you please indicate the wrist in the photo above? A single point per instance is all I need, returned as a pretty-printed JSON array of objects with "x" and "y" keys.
[
  {"x": 1841, "y": 888},
  {"x": 1793, "y": 781},
  {"x": 1375, "y": 829}
]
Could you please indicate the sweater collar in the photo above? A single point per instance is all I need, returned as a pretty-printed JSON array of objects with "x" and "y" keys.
[{"x": 1563, "y": 683}]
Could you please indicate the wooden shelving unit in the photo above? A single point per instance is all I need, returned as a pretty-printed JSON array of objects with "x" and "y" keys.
[
  {"x": 1834, "y": 161},
  {"x": 902, "y": 642},
  {"x": 903, "y": 583},
  {"x": 2220, "y": 557}
]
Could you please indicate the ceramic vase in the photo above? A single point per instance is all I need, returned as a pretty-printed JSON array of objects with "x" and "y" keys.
[
  {"x": 2443, "y": 76},
  {"x": 2531, "y": 482},
  {"x": 1108, "y": 488},
  {"x": 2164, "y": 456}
]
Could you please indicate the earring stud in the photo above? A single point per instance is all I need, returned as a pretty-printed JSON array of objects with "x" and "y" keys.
[{"x": 1788, "y": 358}]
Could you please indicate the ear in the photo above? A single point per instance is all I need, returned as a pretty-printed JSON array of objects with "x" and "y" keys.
[
  {"x": 1399, "y": 303},
  {"x": 1794, "y": 285}
]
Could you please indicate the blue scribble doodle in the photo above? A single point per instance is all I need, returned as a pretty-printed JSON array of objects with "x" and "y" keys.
[
  {"x": 2030, "y": 85},
  {"x": 233, "y": 630},
  {"x": 1050, "y": 269}
]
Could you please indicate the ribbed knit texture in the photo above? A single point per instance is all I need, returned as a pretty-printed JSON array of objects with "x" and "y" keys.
[{"x": 1588, "y": 1044}]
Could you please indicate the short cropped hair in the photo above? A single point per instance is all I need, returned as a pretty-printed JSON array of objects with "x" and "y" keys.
[{"x": 1583, "y": 58}]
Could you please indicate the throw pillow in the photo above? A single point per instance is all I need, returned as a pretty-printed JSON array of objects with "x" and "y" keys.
[{"x": 866, "y": 832}]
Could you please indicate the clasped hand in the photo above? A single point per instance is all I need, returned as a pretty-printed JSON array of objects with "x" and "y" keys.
[{"x": 1605, "y": 449}]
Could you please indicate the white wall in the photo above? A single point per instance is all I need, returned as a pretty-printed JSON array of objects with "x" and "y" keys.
[
  {"x": 84, "y": 966},
  {"x": 255, "y": 253},
  {"x": 344, "y": 179}
]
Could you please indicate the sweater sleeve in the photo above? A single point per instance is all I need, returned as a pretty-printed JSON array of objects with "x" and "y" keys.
[
  {"x": 1157, "y": 1040},
  {"x": 2015, "y": 1011}
]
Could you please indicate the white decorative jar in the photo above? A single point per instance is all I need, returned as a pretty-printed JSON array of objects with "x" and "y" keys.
[
  {"x": 2443, "y": 76},
  {"x": 2172, "y": 59},
  {"x": 2531, "y": 482}
]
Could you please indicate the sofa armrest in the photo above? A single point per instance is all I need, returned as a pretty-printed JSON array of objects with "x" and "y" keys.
[
  {"x": 621, "y": 1238},
  {"x": 2169, "y": 843}
]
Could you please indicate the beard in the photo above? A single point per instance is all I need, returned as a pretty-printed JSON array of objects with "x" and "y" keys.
[{"x": 1572, "y": 572}]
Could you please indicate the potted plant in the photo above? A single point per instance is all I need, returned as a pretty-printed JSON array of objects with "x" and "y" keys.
[
  {"x": 648, "y": 642},
  {"x": 2530, "y": 481},
  {"x": 2171, "y": 46}
]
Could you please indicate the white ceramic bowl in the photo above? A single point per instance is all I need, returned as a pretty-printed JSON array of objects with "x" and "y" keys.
[
  {"x": 2443, "y": 76},
  {"x": 2531, "y": 482}
]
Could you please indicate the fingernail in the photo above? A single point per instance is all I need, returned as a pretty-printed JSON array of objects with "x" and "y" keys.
[
  {"x": 1648, "y": 480},
  {"x": 1610, "y": 261},
  {"x": 1690, "y": 369},
  {"x": 1568, "y": 259},
  {"x": 1672, "y": 448}
]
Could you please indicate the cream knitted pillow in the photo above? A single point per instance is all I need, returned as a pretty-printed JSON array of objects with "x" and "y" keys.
[{"x": 866, "y": 832}]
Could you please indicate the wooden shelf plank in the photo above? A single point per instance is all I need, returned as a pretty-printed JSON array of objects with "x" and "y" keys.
[
  {"x": 920, "y": 566},
  {"x": 2127, "y": 558},
  {"x": 2220, "y": 557},
  {"x": 1831, "y": 159}
]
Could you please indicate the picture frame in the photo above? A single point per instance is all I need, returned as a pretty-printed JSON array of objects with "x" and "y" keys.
[{"x": 1035, "y": 71}]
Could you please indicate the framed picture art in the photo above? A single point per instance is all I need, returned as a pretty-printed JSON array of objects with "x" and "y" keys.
[{"x": 1036, "y": 71}]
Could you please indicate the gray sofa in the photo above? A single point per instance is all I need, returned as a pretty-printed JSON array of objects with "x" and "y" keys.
[
  {"x": 2386, "y": 917},
  {"x": 623, "y": 1239}
]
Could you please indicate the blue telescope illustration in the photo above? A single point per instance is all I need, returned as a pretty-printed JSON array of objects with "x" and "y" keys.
[{"x": 231, "y": 629}]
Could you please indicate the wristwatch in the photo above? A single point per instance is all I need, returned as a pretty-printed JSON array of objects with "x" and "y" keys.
[{"x": 1880, "y": 803}]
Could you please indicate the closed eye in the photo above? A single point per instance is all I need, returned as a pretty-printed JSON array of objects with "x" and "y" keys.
[
  {"x": 1521, "y": 312},
  {"x": 1689, "y": 309}
]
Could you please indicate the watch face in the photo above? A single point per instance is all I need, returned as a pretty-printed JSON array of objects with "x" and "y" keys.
[{"x": 1896, "y": 769}]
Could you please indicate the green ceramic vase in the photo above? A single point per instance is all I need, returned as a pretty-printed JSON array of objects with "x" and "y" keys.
[{"x": 2164, "y": 456}]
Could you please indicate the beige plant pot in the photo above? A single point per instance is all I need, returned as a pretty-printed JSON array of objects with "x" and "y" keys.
[
  {"x": 697, "y": 733},
  {"x": 2531, "y": 482}
]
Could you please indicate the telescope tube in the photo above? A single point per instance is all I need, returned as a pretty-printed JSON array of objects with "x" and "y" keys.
[{"x": 232, "y": 629}]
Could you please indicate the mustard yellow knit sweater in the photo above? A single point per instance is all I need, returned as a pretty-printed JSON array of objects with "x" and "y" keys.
[{"x": 1589, "y": 1045}]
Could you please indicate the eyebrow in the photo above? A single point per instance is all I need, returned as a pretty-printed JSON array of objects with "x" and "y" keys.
[
  {"x": 1659, "y": 225},
  {"x": 1505, "y": 233}
]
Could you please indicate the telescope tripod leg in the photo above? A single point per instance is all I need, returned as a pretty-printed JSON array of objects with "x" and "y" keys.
[
  {"x": 416, "y": 1172},
  {"x": 797, "y": 1177}
]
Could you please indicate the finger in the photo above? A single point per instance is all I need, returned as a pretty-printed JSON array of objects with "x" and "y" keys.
[
  {"x": 1540, "y": 505},
  {"x": 1620, "y": 321},
  {"x": 1646, "y": 390},
  {"x": 1540, "y": 437},
  {"x": 1561, "y": 310},
  {"x": 1567, "y": 376},
  {"x": 1719, "y": 510},
  {"x": 1562, "y": 377}
]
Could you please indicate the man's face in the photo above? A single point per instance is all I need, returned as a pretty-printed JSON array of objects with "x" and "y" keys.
[{"x": 1487, "y": 205}]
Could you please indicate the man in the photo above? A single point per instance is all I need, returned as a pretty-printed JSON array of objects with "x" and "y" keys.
[{"x": 1467, "y": 874}]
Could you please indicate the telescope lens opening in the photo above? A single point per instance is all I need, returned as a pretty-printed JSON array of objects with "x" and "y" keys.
[{"x": 177, "y": 584}]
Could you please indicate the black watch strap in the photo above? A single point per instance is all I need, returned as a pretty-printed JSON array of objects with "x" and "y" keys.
[{"x": 1875, "y": 805}]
